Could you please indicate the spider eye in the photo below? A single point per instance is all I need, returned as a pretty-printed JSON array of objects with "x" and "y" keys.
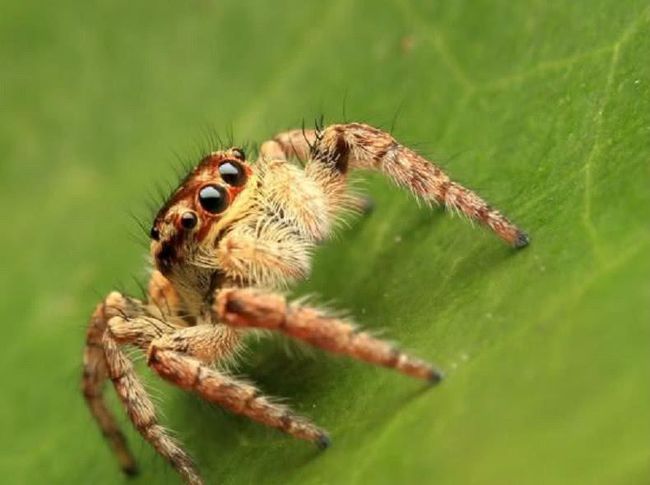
[
  {"x": 154, "y": 233},
  {"x": 238, "y": 153},
  {"x": 232, "y": 173},
  {"x": 189, "y": 220},
  {"x": 213, "y": 199}
]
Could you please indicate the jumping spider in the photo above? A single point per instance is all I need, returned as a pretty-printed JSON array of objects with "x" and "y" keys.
[{"x": 230, "y": 235}]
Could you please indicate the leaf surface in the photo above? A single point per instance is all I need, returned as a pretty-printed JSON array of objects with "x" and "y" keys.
[{"x": 542, "y": 107}]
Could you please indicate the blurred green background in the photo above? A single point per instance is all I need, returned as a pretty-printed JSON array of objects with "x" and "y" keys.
[{"x": 543, "y": 107}]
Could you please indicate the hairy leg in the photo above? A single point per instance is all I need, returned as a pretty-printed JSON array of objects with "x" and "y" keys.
[
  {"x": 271, "y": 244},
  {"x": 178, "y": 358},
  {"x": 342, "y": 147},
  {"x": 132, "y": 394},
  {"x": 265, "y": 256},
  {"x": 95, "y": 374},
  {"x": 255, "y": 308}
]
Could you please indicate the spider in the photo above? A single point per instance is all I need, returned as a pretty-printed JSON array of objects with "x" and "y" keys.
[{"x": 228, "y": 238}]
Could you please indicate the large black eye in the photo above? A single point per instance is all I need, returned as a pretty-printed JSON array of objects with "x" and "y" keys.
[
  {"x": 213, "y": 198},
  {"x": 232, "y": 173}
]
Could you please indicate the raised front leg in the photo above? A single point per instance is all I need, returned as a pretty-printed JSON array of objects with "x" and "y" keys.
[
  {"x": 342, "y": 147},
  {"x": 258, "y": 309}
]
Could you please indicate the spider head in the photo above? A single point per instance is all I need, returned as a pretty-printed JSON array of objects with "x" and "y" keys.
[{"x": 196, "y": 212}]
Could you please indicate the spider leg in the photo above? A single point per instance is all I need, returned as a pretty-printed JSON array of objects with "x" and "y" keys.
[
  {"x": 137, "y": 403},
  {"x": 95, "y": 374},
  {"x": 122, "y": 320},
  {"x": 267, "y": 257},
  {"x": 295, "y": 147},
  {"x": 255, "y": 308},
  {"x": 343, "y": 147},
  {"x": 173, "y": 358}
]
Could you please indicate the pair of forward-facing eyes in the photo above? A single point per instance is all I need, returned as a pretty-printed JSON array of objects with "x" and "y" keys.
[{"x": 212, "y": 198}]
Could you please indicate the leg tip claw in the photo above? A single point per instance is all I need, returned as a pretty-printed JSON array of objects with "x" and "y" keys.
[
  {"x": 435, "y": 377},
  {"x": 131, "y": 470},
  {"x": 323, "y": 441},
  {"x": 522, "y": 240}
]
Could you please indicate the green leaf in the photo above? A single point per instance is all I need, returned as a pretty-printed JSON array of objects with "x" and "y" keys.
[{"x": 542, "y": 107}]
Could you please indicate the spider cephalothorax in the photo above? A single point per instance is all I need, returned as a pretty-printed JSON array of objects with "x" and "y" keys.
[
  {"x": 229, "y": 237},
  {"x": 191, "y": 218}
]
